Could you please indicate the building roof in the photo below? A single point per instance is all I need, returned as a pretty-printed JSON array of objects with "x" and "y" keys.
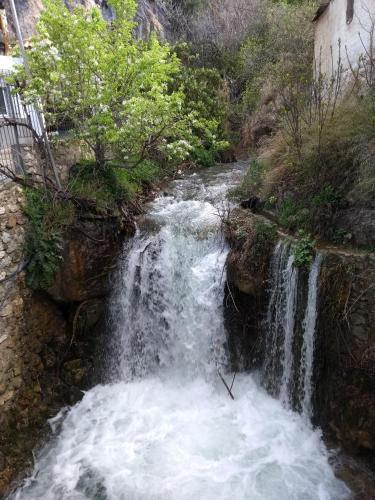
[{"x": 322, "y": 8}]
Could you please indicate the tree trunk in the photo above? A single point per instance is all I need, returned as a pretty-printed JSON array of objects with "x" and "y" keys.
[{"x": 99, "y": 152}]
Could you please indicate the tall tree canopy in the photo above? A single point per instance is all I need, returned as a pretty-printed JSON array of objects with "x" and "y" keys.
[{"x": 116, "y": 91}]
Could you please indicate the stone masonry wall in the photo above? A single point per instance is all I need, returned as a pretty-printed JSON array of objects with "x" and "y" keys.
[
  {"x": 48, "y": 339},
  {"x": 12, "y": 288}
]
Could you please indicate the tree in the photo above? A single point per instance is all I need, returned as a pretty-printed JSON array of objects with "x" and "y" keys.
[{"x": 115, "y": 90}]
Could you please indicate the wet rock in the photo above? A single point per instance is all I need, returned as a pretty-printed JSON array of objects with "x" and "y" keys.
[
  {"x": 344, "y": 359},
  {"x": 245, "y": 301},
  {"x": 228, "y": 156},
  {"x": 253, "y": 203},
  {"x": 74, "y": 372},
  {"x": 49, "y": 357},
  {"x": 360, "y": 332},
  {"x": 91, "y": 252}
]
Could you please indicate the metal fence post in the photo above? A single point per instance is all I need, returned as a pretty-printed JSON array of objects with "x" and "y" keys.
[{"x": 28, "y": 72}]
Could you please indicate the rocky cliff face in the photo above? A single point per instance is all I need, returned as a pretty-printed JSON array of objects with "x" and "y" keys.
[
  {"x": 151, "y": 16},
  {"x": 344, "y": 359},
  {"x": 345, "y": 396}
]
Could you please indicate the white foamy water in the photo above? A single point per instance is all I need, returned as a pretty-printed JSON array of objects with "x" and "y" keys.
[{"x": 165, "y": 428}]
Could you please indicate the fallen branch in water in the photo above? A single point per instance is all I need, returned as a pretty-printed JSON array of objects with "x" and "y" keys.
[{"x": 229, "y": 389}]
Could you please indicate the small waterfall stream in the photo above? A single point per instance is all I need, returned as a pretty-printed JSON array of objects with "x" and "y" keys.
[
  {"x": 309, "y": 328},
  {"x": 290, "y": 284},
  {"x": 288, "y": 368},
  {"x": 163, "y": 427}
]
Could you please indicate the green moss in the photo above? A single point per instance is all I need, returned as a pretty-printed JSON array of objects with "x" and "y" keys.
[{"x": 265, "y": 236}]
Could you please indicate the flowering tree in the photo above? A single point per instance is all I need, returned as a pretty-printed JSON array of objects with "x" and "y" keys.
[{"x": 115, "y": 90}]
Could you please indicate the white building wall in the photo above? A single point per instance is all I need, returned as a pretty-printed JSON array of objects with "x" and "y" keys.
[{"x": 332, "y": 27}]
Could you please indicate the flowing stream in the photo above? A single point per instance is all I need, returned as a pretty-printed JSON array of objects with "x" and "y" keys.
[{"x": 164, "y": 427}]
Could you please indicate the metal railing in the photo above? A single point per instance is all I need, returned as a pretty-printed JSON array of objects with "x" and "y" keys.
[{"x": 19, "y": 127}]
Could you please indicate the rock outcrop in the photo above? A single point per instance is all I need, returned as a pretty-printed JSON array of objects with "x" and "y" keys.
[
  {"x": 344, "y": 375},
  {"x": 345, "y": 385},
  {"x": 90, "y": 254},
  {"x": 246, "y": 286},
  {"x": 150, "y": 17}
]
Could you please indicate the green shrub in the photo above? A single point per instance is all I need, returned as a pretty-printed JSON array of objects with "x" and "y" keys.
[
  {"x": 47, "y": 220},
  {"x": 204, "y": 157},
  {"x": 303, "y": 249},
  {"x": 265, "y": 236},
  {"x": 251, "y": 183},
  {"x": 112, "y": 185},
  {"x": 293, "y": 215},
  {"x": 259, "y": 245},
  {"x": 327, "y": 196},
  {"x": 334, "y": 167},
  {"x": 341, "y": 236},
  {"x": 145, "y": 173}
]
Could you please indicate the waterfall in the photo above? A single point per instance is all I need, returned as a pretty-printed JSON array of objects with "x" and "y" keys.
[
  {"x": 309, "y": 327},
  {"x": 163, "y": 427},
  {"x": 290, "y": 282},
  {"x": 278, "y": 365},
  {"x": 167, "y": 310},
  {"x": 289, "y": 363}
]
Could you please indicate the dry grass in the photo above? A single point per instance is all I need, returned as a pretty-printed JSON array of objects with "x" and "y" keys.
[{"x": 345, "y": 157}]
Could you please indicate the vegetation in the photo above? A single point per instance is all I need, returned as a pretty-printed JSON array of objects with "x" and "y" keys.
[
  {"x": 251, "y": 183},
  {"x": 253, "y": 242},
  {"x": 264, "y": 239},
  {"x": 318, "y": 161},
  {"x": 145, "y": 107},
  {"x": 117, "y": 92},
  {"x": 303, "y": 249},
  {"x": 110, "y": 187},
  {"x": 140, "y": 106},
  {"x": 47, "y": 220}
]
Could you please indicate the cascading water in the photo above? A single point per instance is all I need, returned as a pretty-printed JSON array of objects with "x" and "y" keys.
[
  {"x": 278, "y": 365},
  {"x": 165, "y": 428},
  {"x": 282, "y": 367},
  {"x": 290, "y": 282},
  {"x": 309, "y": 326}
]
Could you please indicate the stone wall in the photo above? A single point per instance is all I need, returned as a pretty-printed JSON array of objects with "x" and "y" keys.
[
  {"x": 67, "y": 154},
  {"x": 48, "y": 339},
  {"x": 12, "y": 288}
]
